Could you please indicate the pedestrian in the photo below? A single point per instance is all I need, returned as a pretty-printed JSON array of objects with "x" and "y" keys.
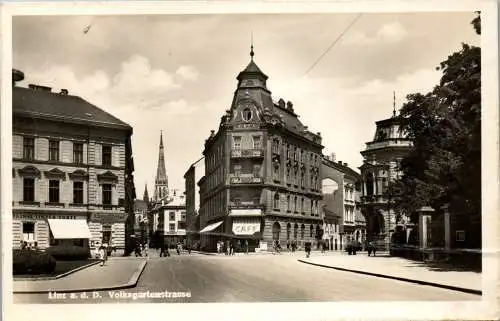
[
  {"x": 227, "y": 249},
  {"x": 178, "y": 248},
  {"x": 35, "y": 247},
  {"x": 288, "y": 245},
  {"x": 322, "y": 247},
  {"x": 246, "y": 246},
  {"x": 231, "y": 249},
  {"x": 101, "y": 255},
  {"x": 308, "y": 249},
  {"x": 218, "y": 247},
  {"x": 146, "y": 248}
]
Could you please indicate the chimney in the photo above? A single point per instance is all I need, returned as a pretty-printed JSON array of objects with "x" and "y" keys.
[
  {"x": 281, "y": 103},
  {"x": 333, "y": 157},
  {"x": 345, "y": 164},
  {"x": 39, "y": 87},
  {"x": 17, "y": 75},
  {"x": 64, "y": 92},
  {"x": 318, "y": 133},
  {"x": 340, "y": 162},
  {"x": 289, "y": 106}
]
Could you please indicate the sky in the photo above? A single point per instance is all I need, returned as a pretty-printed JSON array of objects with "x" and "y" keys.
[{"x": 177, "y": 73}]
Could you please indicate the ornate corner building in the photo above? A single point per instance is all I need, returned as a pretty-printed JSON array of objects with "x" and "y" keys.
[
  {"x": 72, "y": 170},
  {"x": 381, "y": 163},
  {"x": 262, "y": 172}
]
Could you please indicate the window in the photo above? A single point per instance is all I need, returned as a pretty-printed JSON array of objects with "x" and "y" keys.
[
  {"x": 256, "y": 170},
  {"x": 302, "y": 231},
  {"x": 295, "y": 153},
  {"x": 295, "y": 204},
  {"x": 29, "y": 190},
  {"x": 28, "y": 148},
  {"x": 295, "y": 177},
  {"x": 78, "y": 192},
  {"x": 247, "y": 114},
  {"x": 236, "y": 142},
  {"x": 276, "y": 203},
  {"x": 77, "y": 153},
  {"x": 302, "y": 208},
  {"x": 276, "y": 146},
  {"x": 311, "y": 231},
  {"x": 106, "y": 155},
  {"x": 288, "y": 204},
  {"x": 460, "y": 236},
  {"x": 171, "y": 227},
  {"x": 54, "y": 150},
  {"x": 29, "y": 232},
  {"x": 298, "y": 154},
  {"x": 276, "y": 172},
  {"x": 171, "y": 216},
  {"x": 302, "y": 179},
  {"x": 288, "y": 175},
  {"x": 53, "y": 191},
  {"x": 257, "y": 142},
  {"x": 106, "y": 194},
  {"x": 237, "y": 169}
]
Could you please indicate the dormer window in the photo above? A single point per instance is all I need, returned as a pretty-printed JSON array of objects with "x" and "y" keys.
[{"x": 247, "y": 114}]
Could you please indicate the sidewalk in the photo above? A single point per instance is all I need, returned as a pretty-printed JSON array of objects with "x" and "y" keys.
[
  {"x": 118, "y": 273},
  {"x": 400, "y": 269}
]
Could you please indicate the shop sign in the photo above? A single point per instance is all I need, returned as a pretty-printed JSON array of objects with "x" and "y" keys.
[
  {"x": 46, "y": 216},
  {"x": 108, "y": 217},
  {"x": 246, "y": 228}
]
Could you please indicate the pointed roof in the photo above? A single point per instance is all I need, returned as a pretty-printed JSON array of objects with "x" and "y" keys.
[
  {"x": 252, "y": 69},
  {"x": 161, "y": 172},
  {"x": 145, "y": 197}
]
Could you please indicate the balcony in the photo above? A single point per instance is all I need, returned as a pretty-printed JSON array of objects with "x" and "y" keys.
[
  {"x": 247, "y": 153},
  {"x": 245, "y": 179},
  {"x": 389, "y": 143},
  {"x": 373, "y": 199}
]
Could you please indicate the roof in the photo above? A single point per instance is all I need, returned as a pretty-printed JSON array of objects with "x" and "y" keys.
[
  {"x": 55, "y": 106},
  {"x": 252, "y": 68},
  {"x": 291, "y": 121},
  {"x": 140, "y": 205},
  {"x": 344, "y": 169}
]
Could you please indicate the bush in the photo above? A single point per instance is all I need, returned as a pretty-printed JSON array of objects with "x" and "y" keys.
[
  {"x": 69, "y": 253},
  {"x": 32, "y": 262}
]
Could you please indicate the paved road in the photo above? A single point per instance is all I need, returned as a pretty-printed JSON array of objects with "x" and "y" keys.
[{"x": 260, "y": 278}]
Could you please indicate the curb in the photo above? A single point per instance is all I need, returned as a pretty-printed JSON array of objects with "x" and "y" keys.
[
  {"x": 131, "y": 283},
  {"x": 47, "y": 278},
  {"x": 438, "y": 285}
]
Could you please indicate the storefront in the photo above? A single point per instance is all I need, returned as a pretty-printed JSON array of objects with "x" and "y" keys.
[
  {"x": 108, "y": 228},
  {"x": 46, "y": 229},
  {"x": 246, "y": 230},
  {"x": 210, "y": 235}
]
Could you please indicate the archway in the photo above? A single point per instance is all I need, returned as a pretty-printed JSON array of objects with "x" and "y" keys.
[
  {"x": 295, "y": 231},
  {"x": 302, "y": 231},
  {"x": 357, "y": 236},
  {"x": 288, "y": 231},
  {"x": 276, "y": 231}
]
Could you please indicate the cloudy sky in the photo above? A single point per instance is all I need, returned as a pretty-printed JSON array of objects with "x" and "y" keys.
[{"x": 176, "y": 73}]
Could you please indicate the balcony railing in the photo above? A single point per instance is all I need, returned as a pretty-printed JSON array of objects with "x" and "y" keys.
[
  {"x": 373, "y": 199},
  {"x": 243, "y": 153},
  {"x": 245, "y": 179},
  {"x": 245, "y": 204},
  {"x": 389, "y": 143}
]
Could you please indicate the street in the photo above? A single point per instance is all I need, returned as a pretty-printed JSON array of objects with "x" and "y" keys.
[{"x": 258, "y": 278}]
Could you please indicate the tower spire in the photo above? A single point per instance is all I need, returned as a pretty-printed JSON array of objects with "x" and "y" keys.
[
  {"x": 251, "y": 47},
  {"x": 161, "y": 181},
  {"x": 145, "y": 197},
  {"x": 394, "y": 104}
]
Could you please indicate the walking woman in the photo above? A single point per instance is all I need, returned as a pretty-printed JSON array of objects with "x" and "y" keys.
[{"x": 102, "y": 253}]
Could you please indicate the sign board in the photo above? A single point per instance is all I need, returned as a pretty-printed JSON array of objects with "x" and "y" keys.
[
  {"x": 47, "y": 216},
  {"x": 246, "y": 228},
  {"x": 109, "y": 217},
  {"x": 246, "y": 212}
]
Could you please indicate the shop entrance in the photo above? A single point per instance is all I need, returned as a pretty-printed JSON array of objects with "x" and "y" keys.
[{"x": 106, "y": 234}]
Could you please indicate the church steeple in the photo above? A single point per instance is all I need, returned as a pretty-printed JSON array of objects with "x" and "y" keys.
[
  {"x": 161, "y": 181},
  {"x": 145, "y": 197}
]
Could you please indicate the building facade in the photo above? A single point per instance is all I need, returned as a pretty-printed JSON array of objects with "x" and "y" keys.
[
  {"x": 341, "y": 193},
  {"x": 170, "y": 219},
  {"x": 381, "y": 163},
  {"x": 262, "y": 172},
  {"x": 141, "y": 210},
  {"x": 191, "y": 177},
  {"x": 72, "y": 170}
]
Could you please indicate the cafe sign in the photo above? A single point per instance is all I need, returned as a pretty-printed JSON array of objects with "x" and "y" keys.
[{"x": 246, "y": 228}]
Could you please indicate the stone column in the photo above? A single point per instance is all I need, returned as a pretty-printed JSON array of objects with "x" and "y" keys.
[{"x": 422, "y": 229}]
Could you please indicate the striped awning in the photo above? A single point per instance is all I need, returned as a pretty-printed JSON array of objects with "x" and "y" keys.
[{"x": 211, "y": 227}]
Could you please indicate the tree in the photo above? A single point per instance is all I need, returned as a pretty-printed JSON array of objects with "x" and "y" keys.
[{"x": 444, "y": 167}]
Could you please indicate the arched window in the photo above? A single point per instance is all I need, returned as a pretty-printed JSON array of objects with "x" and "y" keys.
[
  {"x": 276, "y": 202},
  {"x": 288, "y": 231},
  {"x": 369, "y": 184},
  {"x": 302, "y": 231},
  {"x": 276, "y": 231},
  {"x": 295, "y": 230},
  {"x": 247, "y": 114}
]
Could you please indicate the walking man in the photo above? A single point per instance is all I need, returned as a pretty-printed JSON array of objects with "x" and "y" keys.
[{"x": 246, "y": 246}]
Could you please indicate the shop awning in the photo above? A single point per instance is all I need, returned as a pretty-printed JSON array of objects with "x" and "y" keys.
[
  {"x": 69, "y": 229},
  {"x": 211, "y": 227}
]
